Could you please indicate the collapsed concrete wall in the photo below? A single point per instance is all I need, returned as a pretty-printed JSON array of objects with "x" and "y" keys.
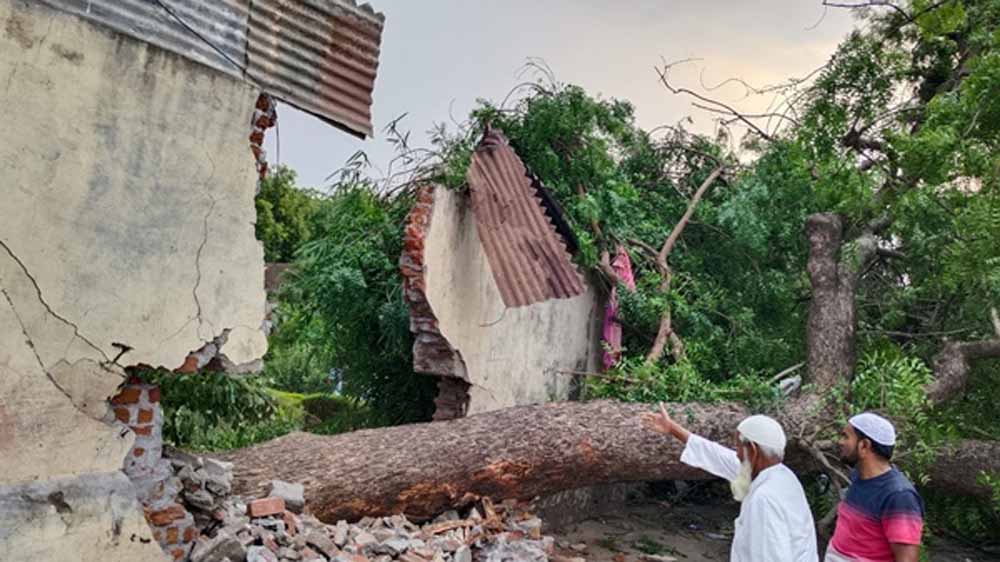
[
  {"x": 126, "y": 238},
  {"x": 499, "y": 356}
]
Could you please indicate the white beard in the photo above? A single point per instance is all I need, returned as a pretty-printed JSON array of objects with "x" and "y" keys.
[{"x": 741, "y": 484}]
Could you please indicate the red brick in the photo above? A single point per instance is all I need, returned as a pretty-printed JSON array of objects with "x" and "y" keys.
[
  {"x": 145, "y": 416},
  {"x": 147, "y": 430},
  {"x": 172, "y": 535},
  {"x": 190, "y": 534},
  {"x": 133, "y": 380},
  {"x": 292, "y": 524},
  {"x": 265, "y": 507},
  {"x": 153, "y": 394},
  {"x": 190, "y": 365},
  {"x": 127, "y": 396},
  {"x": 263, "y": 103},
  {"x": 138, "y": 451},
  {"x": 122, "y": 414},
  {"x": 166, "y": 516},
  {"x": 257, "y": 137}
]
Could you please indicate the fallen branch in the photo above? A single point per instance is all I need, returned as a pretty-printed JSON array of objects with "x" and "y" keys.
[{"x": 665, "y": 332}]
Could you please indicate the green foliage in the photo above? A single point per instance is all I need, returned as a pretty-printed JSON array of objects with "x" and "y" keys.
[
  {"x": 212, "y": 412},
  {"x": 286, "y": 215},
  {"x": 958, "y": 516},
  {"x": 343, "y": 310},
  {"x": 341, "y": 323},
  {"x": 327, "y": 414},
  {"x": 299, "y": 356},
  {"x": 993, "y": 482},
  {"x": 892, "y": 383},
  {"x": 633, "y": 380}
]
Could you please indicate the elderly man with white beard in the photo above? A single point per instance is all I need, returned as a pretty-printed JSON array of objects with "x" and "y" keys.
[{"x": 775, "y": 523}]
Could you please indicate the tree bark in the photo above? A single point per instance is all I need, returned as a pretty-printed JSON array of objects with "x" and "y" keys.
[
  {"x": 834, "y": 270},
  {"x": 522, "y": 452},
  {"x": 422, "y": 470},
  {"x": 831, "y": 326},
  {"x": 957, "y": 468},
  {"x": 951, "y": 367}
]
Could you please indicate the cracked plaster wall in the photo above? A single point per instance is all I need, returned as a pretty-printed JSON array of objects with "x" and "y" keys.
[
  {"x": 512, "y": 355},
  {"x": 127, "y": 217}
]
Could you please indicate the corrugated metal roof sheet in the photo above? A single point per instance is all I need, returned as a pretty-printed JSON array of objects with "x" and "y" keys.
[
  {"x": 318, "y": 55},
  {"x": 222, "y": 22},
  {"x": 529, "y": 260}
]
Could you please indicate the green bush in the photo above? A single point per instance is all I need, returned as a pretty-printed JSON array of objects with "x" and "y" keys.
[
  {"x": 285, "y": 215},
  {"x": 211, "y": 411},
  {"x": 328, "y": 414},
  {"x": 344, "y": 306}
]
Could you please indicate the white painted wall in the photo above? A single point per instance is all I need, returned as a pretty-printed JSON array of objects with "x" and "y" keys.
[
  {"x": 126, "y": 216},
  {"x": 512, "y": 354}
]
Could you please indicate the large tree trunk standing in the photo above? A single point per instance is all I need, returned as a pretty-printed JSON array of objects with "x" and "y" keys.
[
  {"x": 528, "y": 451},
  {"x": 830, "y": 331}
]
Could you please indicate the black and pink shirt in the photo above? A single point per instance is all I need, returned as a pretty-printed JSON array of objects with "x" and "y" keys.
[{"x": 878, "y": 511}]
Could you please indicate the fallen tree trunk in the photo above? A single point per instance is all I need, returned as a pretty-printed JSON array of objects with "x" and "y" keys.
[
  {"x": 957, "y": 467},
  {"x": 522, "y": 452},
  {"x": 424, "y": 469}
]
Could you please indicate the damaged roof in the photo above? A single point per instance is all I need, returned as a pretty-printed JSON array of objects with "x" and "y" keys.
[
  {"x": 529, "y": 259},
  {"x": 318, "y": 55}
]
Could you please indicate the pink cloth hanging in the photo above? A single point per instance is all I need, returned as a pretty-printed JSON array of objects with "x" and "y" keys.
[{"x": 612, "y": 327}]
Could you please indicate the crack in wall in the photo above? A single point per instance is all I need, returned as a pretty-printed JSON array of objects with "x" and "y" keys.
[
  {"x": 41, "y": 299},
  {"x": 31, "y": 345},
  {"x": 197, "y": 266}
]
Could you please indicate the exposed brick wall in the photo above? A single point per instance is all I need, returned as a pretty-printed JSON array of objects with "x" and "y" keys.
[
  {"x": 137, "y": 406},
  {"x": 432, "y": 354},
  {"x": 264, "y": 117}
]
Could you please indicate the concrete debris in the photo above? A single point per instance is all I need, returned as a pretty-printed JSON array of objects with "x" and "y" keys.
[
  {"x": 293, "y": 494},
  {"x": 265, "y": 530}
]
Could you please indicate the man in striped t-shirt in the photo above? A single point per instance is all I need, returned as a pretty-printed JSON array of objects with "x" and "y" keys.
[{"x": 882, "y": 516}]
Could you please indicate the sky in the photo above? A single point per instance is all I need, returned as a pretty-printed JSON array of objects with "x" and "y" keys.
[{"x": 439, "y": 56}]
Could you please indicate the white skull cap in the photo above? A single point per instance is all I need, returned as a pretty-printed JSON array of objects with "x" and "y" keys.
[
  {"x": 763, "y": 430},
  {"x": 875, "y": 426}
]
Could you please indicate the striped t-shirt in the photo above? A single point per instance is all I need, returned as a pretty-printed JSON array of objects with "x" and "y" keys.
[{"x": 878, "y": 511}]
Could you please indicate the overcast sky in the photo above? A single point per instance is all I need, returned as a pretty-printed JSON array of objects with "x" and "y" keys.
[{"x": 439, "y": 56}]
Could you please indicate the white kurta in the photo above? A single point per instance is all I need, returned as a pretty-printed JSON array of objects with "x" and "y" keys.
[{"x": 775, "y": 523}]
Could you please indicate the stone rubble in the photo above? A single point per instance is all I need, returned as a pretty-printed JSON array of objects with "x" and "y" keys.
[{"x": 267, "y": 530}]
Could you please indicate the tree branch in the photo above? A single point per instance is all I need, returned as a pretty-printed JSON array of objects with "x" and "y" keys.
[
  {"x": 665, "y": 333},
  {"x": 868, "y": 4},
  {"x": 675, "y": 234},
  {"x": 728, "y": 110},
  {"x": 887, "y": 253},
  {"x": 951, "y": 367}
]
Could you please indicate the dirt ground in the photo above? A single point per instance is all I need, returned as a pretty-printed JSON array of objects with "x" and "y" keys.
[{"x": 660, "y": 531}]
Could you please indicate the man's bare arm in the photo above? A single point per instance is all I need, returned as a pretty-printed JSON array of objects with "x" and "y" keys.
[{"x": 905, "y": 552}]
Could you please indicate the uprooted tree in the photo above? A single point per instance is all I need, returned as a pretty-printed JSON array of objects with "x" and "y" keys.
[{"x": 874, "y": 198}]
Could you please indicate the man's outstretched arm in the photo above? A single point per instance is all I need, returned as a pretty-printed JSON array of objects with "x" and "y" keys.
[{"x": 698, "y": 451}]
